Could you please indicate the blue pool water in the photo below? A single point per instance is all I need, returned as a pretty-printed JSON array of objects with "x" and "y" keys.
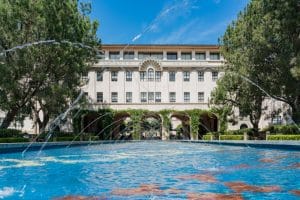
[{"x": 104, "y": 171}]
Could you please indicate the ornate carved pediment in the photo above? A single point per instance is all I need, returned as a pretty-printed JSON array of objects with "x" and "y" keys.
[{"x": 150, "y": 63}]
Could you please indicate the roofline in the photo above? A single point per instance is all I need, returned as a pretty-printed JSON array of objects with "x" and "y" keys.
[{"x": 163, "y": 45}]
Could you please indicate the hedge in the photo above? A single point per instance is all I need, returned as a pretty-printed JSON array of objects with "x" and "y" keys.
[
  {"x": 283, "y": 137},
  {"x": 231, "y": 137},
  {"x": 10, "y": 133},
  {"x": 13, "y": 140},
  {"x": 206, "y": 137}
]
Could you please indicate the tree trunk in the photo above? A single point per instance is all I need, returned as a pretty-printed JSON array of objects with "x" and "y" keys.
[
  {"x": 296, "y": 114},
  {"x": 43, "y": 124},
  {"x": 10, "y": 116}
]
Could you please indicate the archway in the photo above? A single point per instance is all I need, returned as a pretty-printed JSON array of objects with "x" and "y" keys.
[
  {"x": 122, "y": 128},
  {"x": 208, "y": 122},
  {"x": 151, "y": 126},
  {"x": 243, "y": 126},
  {"x": 180, "y": 123}
]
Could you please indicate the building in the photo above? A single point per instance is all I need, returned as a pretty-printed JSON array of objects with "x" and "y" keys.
[{"x": 157, "y": 77}]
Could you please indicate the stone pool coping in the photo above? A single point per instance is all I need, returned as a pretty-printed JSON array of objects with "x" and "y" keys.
[{"x": 284, "y": 145}]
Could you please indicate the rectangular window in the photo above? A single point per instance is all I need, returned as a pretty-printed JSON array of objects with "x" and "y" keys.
[
  {"x": 214, "y": 76},
  {"x": 128, "y": 97},
  {"x": 276, "y": 120},
  {"x": 128, "y": 55},
  {"x": 99, "y": 76},
  {"x": 172, "y": 76},
  {"x": 114, "y": 97},
  {"x": 172, "y": 97},
  {"x": 201, "y": 97},
  {"x": 186, "y": 97},
  {"x": 155, "y": 55},
  {"x": 150, "y": 75},
  {"x": 114, "y": 76},
  {"x": 157, "y": 96},
  {"x": 214, "y": 56},
  {"x": 150, "y": 97},
  {"x": 143, "y": 97},
  {"x": 186, "y": 56},
  {"x": 171, "y": 56},
  {"x": 200, "y": 56},
  {"x": 142, "y": 76},
  {"x": 186, "y": 76},
  {"x": 99, "y": 97},
  {"x": 114, "y": 55},
  {"x": 158, "y": 76},
  {"x": 128, "y": 76},
  {"x": 200, "y": 76}
]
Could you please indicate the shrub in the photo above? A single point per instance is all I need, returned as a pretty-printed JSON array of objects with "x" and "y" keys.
[
  {"x": 249, "y": 131},
  {"x": 206, "y": 137},
  {"x": 10, "y": 133},
  {"x": 13, "y": 140},
  {"x": 283, "y": 137},
  {"x": 283, "y": 129},
  {"x": 62, "y": 139},
  {"x": 231, "y": 137}
]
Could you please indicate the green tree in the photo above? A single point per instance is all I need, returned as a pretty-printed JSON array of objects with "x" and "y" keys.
[
  {"x": 46, "y": 75},
  {"x": 233, "y": 92},
  {"x": 261, "y": 46}
]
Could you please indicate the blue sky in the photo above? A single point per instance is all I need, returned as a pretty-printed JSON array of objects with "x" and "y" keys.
[{"x": 164, "y": 21}]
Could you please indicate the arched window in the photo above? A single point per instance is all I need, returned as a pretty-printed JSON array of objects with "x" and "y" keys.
[{"x": 150, "y": 74}]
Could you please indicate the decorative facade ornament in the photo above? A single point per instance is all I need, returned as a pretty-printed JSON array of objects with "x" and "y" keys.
[{"x": 152, "y": 63}]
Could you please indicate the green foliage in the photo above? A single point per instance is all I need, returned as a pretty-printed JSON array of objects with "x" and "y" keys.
[
  {"x": 136, "y": 117},
  {"x": 262, "y": 45},
  {"x": 45, "y": 74},
  {"x": 283, "y": 129},
  {"x": 10, "y": 133},
  {"x": 283, "y": 137},
  {"x": 231, "y": 137},
  {"x": 249, "y": 132},
  {"x": 206, "y": 137},
  {"x": 13, "y": 140}
]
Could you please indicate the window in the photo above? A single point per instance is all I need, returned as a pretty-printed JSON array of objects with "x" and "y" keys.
[
  {"x": 114, "y": 55},
  {"x": 214, "y": 76},
  {"x": 99, "y": 76},
  {"x": 150, "y": 96},
  {"x": 143, "y": 97},
  {"x": 157, "y": 96},
  {"x": 114, "y": 76},
  {"x": 172, "y": 76},
  {"x": 157, "y": 76},
  {"x": 214, "y": 56},
  {"x": 142, "y": 76},
  {"x": 155, "y": 55},
  {"x": 172, "y": 97},
  {"x": 276, "y": 120},
  {"x": 114, "y": 97},
  {"x": 150, "y": 75},
  {"x": 172, "y": 56},
  {"x": 201, "y": 76},
  {"x": 186, "y": 76},
  {"x": 186, "y": 56},
  {"x": 128, "y": 97},
  {"x": 128, "y": 76},
  {"x": 86, "y": 94},
  {"x": 186, "y": 97},
  {"x": 200, "y": 56},
  {"x": 99, "y": 97},
  {"x": 200, "y": 96},
  {"x": 128, "y": 55}
]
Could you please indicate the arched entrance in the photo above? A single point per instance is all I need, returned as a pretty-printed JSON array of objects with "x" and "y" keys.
[
  {"x": 151, "y": 127},
  {"x": 122, "y": 128},
  {"x": 180, "y": 123},
  {"x": 208, "y": 123}
]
